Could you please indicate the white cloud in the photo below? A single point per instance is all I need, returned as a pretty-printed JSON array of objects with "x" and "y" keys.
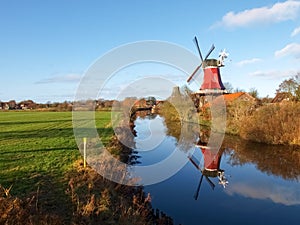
[
  {"x": 274, "y": 74},
  {"x": 61, "y": 78},
  {"x": 290, "y": 49},
  {"x": 295, "y": 32},
  {"x": 278, "y": 12},
  {"x": 248, "y": 61},
  {"x": 278, "y": 194}
]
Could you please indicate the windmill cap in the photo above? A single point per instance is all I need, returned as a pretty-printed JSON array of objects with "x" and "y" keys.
[{"x": 210, "y": 62}]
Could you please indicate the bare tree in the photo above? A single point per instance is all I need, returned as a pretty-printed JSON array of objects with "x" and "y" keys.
[
  {"x": 291, "y": 86},
  {"x": 253, "y": 92},
  {"x": 228, "y": 87}
]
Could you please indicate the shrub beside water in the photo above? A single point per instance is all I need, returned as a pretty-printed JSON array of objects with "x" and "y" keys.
[
  {"x": 237, "y": 113},
  {"x": 273, "y": 124}
]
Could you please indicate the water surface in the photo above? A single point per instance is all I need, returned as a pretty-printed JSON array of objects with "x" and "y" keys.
[{"x": 263, "y": 181}]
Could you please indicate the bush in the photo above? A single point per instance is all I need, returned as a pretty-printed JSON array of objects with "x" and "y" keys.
[
  {"x": 237, "y": 113},
  {"x": 274, "y": 124}
]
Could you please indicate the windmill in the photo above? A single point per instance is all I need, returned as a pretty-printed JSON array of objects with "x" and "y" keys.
[
  {"x": 210, "y": 168},
  {"x": 212, "y": 83}
]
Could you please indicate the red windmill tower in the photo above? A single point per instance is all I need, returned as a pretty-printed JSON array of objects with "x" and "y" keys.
[
  {"x": 210, "y": 162},
  {"x": 211, "y": 166},
  {"x": 212, "y": 83}
]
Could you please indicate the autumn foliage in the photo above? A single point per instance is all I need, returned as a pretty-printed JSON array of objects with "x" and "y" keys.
[{"x": 273, "y": 124}]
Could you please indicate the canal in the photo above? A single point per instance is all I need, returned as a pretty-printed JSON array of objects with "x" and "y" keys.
[{"x": 242, "y": 183}]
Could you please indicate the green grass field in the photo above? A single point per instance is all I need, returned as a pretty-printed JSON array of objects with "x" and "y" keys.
[
  {"x": 38, "y": 148},
  {"x": 39, "y": 159}
]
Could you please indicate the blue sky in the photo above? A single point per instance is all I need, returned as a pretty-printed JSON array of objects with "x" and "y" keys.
[{"x": 46, "y": 46}]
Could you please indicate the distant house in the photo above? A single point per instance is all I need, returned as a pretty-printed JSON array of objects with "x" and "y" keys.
[
  {"x": 4, "y": 105},
  {"x": 281, "y": 97},
  {"x": 28, "y": 104},
  {"x": 12, "y": 104}
]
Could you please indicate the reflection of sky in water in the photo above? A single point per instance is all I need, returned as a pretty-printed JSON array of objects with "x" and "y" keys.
[
  {"x": 251, "y": 197},
  {"x": 151, "y": 141},
  {"x": 261, "y": 186},
  {"x": 151, "y": 133}
]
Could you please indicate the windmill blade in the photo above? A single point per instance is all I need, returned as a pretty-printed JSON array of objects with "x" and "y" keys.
[
  {"x": 195, "y": 71},
  {"x": 194, "y": 162},
  {"x": 197, "y": 45},
  {"x": 210, "y": 51},
  {"x": 198, "y": 188},
  {"x": 212, "y": 185}
]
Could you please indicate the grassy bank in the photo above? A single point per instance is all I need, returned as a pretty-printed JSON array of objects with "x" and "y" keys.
[
  {"x": 35, "y": 145},
  {"x": 42, "y": 180}
]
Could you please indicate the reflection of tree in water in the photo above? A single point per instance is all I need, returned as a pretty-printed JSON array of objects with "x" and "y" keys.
[
  {"x": 133, "y": 157},
  {"x": 180, "y": 118},
  {"x": 145, "y": 114},
  {"x": 185, "y": 133},
  {"x": 283, "y": 161}
]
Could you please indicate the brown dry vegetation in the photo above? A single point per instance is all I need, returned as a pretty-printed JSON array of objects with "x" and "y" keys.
[
  {"x": 16, "y": 211},
  {"x": 273, "y": 124},
  {"x": 275, "y": 160},
  {"x": 92, "y": 200},
  {"x": 237, "y": 113},
  {"x": 100, "y": 201}
]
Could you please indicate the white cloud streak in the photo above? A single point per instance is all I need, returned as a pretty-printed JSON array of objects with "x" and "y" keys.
[
  {"x": 248, "y": 61},
  {"x": 290, "y": 49},
  {"x": 281, "y": 11},
  {"x": 274, "y": 74},
  {"x": 61, "y": 78},
  {"x": 295, "y": 32},
  {"x": 278, "y": 194}
]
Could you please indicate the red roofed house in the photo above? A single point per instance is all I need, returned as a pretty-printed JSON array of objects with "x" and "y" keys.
[{"x": 230, "y": 98}]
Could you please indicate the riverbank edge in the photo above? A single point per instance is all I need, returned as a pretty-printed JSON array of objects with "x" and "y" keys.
[{"x": 89, "y": 196}]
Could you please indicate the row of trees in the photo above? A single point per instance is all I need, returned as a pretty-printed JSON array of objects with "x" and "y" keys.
[
  {"x": 31, "y": 105},
  {"x": 100, "y": 104},
  {"x": 52, "y": 106}
]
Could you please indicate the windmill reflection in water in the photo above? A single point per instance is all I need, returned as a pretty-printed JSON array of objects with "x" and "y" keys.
[{"x": 210, "y": 167}]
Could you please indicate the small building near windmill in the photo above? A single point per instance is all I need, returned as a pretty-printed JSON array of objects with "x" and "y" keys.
[
  {"x": 231, "y": 98},
  {"x": 239, "y": 96}
]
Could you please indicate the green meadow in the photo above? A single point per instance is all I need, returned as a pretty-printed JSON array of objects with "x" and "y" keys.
[
  {"x": 38, "y": 148},
  {"x": 43, "y": 180}
]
